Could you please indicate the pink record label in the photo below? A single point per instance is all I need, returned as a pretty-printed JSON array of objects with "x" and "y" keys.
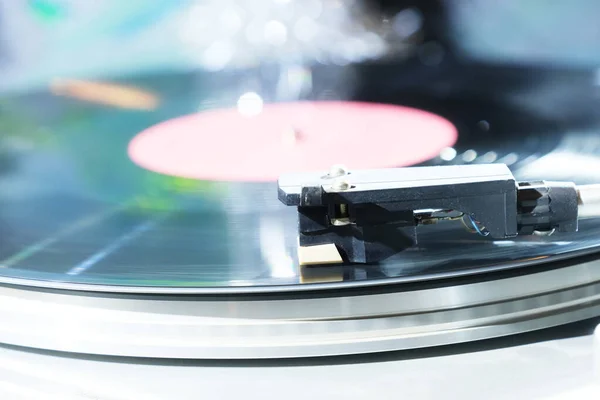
[{"x": 260, "y": 144}]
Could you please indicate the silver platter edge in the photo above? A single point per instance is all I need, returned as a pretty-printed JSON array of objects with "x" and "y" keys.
[{"x": 258, "y": 327}]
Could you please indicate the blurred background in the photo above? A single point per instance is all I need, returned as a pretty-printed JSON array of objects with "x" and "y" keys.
[{"x": 43, "y": 39}]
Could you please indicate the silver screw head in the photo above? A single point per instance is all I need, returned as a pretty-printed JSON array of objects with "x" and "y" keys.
[{"x": 337, "y": 170}]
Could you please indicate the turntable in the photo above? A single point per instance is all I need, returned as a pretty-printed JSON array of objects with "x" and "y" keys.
[{"x": 179, "y": 220}]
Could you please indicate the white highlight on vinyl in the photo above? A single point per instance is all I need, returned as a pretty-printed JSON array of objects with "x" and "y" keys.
[
  {"x": 111, "y": 248},
  {"x": 250, "y": 104},
  {"x": 448, "y": 154}
]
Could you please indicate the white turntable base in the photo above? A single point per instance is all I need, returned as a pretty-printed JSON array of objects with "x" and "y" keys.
[{"x": 559, "y": 369}]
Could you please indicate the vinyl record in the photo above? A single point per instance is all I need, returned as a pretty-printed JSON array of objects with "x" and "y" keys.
[{"x": 169, "y": 181}]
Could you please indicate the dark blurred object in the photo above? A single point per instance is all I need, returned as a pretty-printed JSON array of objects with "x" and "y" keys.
[
  {"x": 432, "y": 16},
  {"x": 538, "y": 32}
]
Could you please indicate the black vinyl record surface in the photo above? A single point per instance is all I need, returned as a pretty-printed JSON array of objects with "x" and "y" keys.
[{"x": 75, "y": 208}]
